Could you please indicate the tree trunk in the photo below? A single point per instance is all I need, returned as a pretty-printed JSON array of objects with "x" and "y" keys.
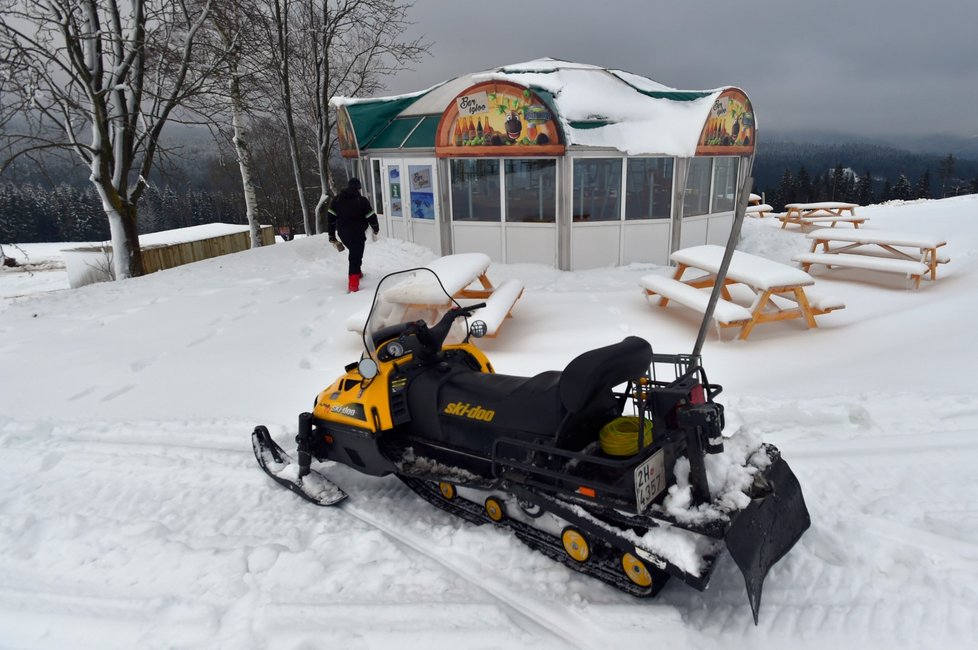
[
  {"x": 285, "y": 87},
  {"x": 244, "y": 157},
  {"x": 127, "y": 259}
]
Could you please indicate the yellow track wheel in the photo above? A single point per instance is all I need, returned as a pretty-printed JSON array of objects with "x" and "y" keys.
[
  {"x": 447, "y": 490},
  {"x": 495, "y": 510},
  {"x": 575, "y": 544},
  {"x": 636, "y": 570}
]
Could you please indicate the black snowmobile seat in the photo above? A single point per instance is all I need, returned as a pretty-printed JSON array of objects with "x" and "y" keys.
[
  {"x": 525, "y": 408},
  {"x": 586, "y": 389},
  {"x": 566, "y": 408}
]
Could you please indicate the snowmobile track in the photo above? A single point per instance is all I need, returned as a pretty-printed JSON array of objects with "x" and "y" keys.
[
  {"x": 563, "y": 627},
  {"x": 603, "y": 564}
]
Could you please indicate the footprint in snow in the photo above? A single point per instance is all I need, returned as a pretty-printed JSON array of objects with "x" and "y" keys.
[
  {"x": 125, "y": 389},
  {"x": 136, "y": 366},
  {"x": 81, "y": 394},
  {"x": 50, "y": 460},
  {"x": 201, "y": 340}
]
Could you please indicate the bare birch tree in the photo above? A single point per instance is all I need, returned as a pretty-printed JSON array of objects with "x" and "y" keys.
[
  {"x": 237, "y": 46},
  {"x": 102, "y": 78},
  {"x": 280, "y": 40},
  {"x": 351, "y": 46}
]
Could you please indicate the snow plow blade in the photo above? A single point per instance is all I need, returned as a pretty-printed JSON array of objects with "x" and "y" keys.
[
  {"x": 312, "y": 486},
  {"x": 767, "y": 529}
]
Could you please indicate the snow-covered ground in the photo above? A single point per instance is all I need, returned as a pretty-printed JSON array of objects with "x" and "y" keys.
[{"x": 132, "y": 513}]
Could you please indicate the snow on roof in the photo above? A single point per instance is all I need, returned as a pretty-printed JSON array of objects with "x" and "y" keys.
[
  {"x": 174, "y": 236},
  {"x": 598, "y": 107}
]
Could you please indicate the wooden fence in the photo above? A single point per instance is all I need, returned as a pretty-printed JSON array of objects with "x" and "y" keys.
[{"x": 157, "y": 258}]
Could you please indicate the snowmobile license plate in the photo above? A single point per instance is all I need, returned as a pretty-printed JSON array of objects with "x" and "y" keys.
[{"x": 650, "y": 480}]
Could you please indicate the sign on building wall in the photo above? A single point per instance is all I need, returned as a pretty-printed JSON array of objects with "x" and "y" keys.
[
  {"x": 730, "y": 129},
  {"x": 422, "y": 192},
  {"x": 498, "y": 118},
  {"x": 394, "y": 183}
]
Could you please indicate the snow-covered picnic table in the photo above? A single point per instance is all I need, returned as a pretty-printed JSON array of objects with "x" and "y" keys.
[
  {"x": 457, "y": 274},
  {"x": 908, "y": 254},
  {"x": 778, "y": 290},
  {"x": 831, "y": 212}
]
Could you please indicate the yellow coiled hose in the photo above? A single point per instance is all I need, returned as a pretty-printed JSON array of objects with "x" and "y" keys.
[{"x": 620, "y": 436}]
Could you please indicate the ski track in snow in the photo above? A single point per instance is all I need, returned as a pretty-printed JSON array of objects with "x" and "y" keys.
[{"x": 119, "y": 546}]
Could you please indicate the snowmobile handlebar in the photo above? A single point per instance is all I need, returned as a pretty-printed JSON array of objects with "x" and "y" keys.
[{"x": 432, "y": 338}]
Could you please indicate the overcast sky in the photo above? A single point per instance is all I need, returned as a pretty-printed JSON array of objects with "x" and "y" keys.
[{"x": 872, "y": 67}]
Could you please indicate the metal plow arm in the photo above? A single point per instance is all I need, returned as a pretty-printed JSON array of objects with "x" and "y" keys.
[
  {"x": 307, "y": 483},
  {"x": 767, "y": 529}
]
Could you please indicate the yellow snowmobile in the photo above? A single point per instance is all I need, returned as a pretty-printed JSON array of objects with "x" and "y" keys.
[{"x": 604, "y": 466}]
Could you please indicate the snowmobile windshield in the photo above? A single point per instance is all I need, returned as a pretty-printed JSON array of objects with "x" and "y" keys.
[{"x": 407, "y": 297}]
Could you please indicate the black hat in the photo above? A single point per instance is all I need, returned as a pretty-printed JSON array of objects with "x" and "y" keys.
[{"x": 354, "y": 184}]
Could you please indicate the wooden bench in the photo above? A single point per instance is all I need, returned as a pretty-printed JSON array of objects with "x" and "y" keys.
[
  {"x": 499, "y": 305},
  {"x": 759, "y": 210},
  {"x": 913, "y": 270},
  {"x": 816, "y": 220},
  {"x": 726, "y": 313}
]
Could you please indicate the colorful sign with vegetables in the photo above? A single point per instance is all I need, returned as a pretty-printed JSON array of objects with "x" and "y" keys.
[
  {"x": 730, "y": 129},
  {"x": 498, "y": 118},
  {"x": 346, "y": 135}
]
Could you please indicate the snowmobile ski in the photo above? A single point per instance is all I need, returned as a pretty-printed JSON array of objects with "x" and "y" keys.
[{"x": 311, "y": 486}]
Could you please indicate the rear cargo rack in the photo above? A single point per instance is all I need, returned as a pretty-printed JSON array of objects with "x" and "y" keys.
[{"x": 532, "y": 464}]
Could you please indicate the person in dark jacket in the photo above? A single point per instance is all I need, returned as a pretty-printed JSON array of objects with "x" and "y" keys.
[{"x": 349, "y": 215}]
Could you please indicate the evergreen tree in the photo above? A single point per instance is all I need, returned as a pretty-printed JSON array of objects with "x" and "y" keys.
[
  {"x": 902, "y": 190},
  {"x": 837, "y": 183},
  {"x": 804, "y": 185},
  {"x": 787, "y": 190},
  {"x": 886, "y": 193},
  {"x": 922, "y": 190},
  {"x": 864, "y": 189},
  {"x": 850, "y": 187},
  {"x": 820, "y": 188},
  {"x": 946, "y": 172}
]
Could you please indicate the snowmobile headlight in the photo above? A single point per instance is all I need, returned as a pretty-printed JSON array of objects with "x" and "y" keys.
[
  {"x": 478, "y": 329},
  {"x": 367, "y": 368}
]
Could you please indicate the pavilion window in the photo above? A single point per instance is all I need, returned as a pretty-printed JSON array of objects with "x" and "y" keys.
[
  {"x": 475, "y": 189},
  {"x": 648, "y": 188},
  {"x": 531, "y": 190},
  {"x": 696, "y": 200},
  {"x": 724, "y": 183},
  {"x": 597, "y": 189}
]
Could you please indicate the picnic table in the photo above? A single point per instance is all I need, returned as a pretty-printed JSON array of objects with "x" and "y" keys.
[
  {"x": 831, "y": 212},
  {"x": 458, "y": 275},
  {"x": 778, "y": 290},
  {"x": 879, "y": 250}
]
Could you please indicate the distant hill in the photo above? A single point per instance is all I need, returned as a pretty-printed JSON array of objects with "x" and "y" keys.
[
  {"x": 884, "y": 162},
  {"x": 960, "y": 146}
]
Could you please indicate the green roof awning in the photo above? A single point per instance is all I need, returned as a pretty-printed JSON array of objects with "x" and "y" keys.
[
  {"x": 394, "y": 135},
  {"x": 370, "y": 118},
  {"x": 424, "y": 135}
]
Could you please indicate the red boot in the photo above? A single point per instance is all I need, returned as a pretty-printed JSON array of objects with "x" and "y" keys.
[{"x": 354, "y": 283}]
